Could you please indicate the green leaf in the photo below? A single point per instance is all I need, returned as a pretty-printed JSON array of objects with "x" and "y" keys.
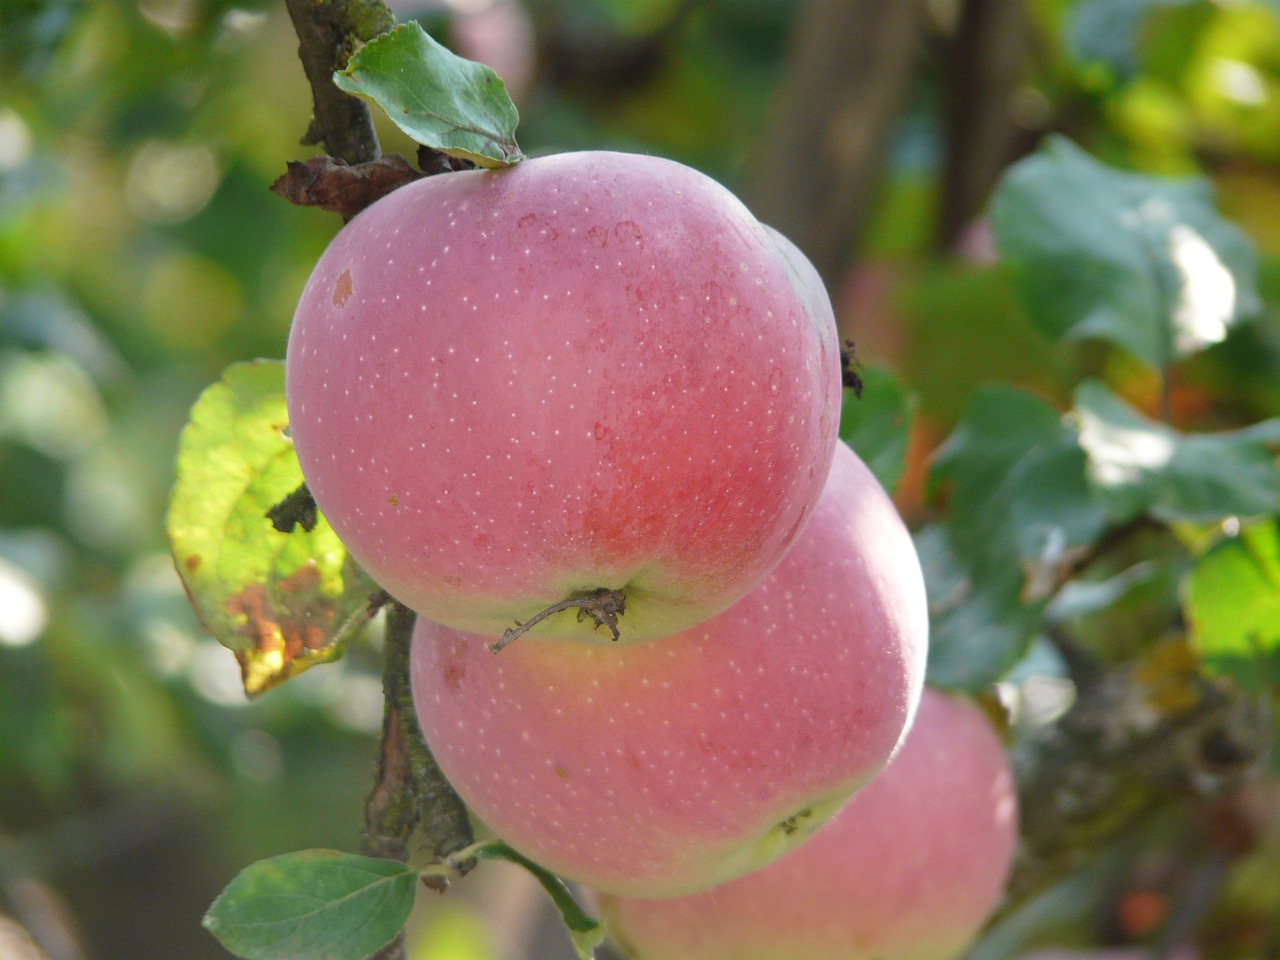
[
  {"x": 585, "y": 931},
  {"x": 1107, "y": 31},
  {"x": 313, "y": 905},
  {"x": 1084, "y": 598},
  {"x": 282, "y": 602},
  {"x": 1136, "y": 465},
  {"x": 1019, "y": 495},
  {"x": 1020, "y": 510},
  {"x": 1141, "y": 261},
  {"x": 439, "y": 99},
  {"x": 1233, "y": 605},
  {"x": 876, "y": 426},
  {"x": 979, "y": 628}
]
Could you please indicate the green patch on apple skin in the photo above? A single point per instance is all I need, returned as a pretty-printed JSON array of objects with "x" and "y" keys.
[{"x": 787, "y": 833}]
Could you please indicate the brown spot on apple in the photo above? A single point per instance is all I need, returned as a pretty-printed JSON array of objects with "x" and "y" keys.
[
  {"x": 342, "y": 289},
  {"x": 454, "y": 674}
]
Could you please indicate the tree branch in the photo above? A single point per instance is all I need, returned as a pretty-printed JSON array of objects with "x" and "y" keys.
[
  {"x": 816, "y": 169},
  {"x": 1142, "y": 735},
  {"x": 329, "y": 31},
  {"x": 410, "y": 789},
  {"x": 989, "y": 57}
]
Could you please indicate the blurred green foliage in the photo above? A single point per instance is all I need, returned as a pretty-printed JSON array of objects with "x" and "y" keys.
[{"x": 141, "y": 253}]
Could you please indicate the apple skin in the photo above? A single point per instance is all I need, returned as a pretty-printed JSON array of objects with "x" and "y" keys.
[
  {"x": 909, "y": 869},
  {"x": 591, "y": 370},
  {"x": 662, "y": 768}
]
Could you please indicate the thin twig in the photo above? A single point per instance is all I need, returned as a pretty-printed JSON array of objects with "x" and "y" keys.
[
  {"x": 409, "y": 789},
  {"x": 329, "y": 31}
]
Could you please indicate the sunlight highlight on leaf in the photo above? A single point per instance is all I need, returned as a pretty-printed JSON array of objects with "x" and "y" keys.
[
  {"x": 1137, "y": 465},
  {"x": 1206, "y": 302},
  {"x": 1101, "y": 253},
  {"x": 1121, "y": 454}
]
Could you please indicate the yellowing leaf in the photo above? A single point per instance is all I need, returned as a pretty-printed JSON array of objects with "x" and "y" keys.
[{"x": 280, "y": 601}]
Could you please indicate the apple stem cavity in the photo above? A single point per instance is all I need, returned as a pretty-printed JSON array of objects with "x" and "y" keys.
[{"x": 602, "y": 605}]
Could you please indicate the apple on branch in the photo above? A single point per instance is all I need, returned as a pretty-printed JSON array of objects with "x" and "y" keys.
[
  {"x": 662, "y": 768},
  {"x": 909, "y": 869},
  {"x": 589, "y": 373}
]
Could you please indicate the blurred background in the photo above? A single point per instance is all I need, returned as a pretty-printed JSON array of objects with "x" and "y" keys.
[{"x": 141, "y": 252}]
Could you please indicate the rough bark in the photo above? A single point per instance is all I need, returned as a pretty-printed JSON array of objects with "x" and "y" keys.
[{"x": 329, "y": 31}]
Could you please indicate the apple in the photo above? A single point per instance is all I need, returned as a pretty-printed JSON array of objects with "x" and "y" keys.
[
  {"x": 909, "y": 869},
  {"x": 591, "y": 371},
  {"x": 666, "y": 767}
]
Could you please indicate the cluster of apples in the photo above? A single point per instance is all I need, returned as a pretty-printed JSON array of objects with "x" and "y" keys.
[{"x": 597, "y": 374}]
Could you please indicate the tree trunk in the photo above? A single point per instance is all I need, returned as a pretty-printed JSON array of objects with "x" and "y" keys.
[{"x": 817, "y": 164}]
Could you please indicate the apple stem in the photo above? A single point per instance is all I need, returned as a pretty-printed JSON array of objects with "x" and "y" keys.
[{"x": 602, "y": 605}]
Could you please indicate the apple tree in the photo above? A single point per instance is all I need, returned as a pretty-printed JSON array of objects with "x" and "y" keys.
[{"x": 648, "y": 665}]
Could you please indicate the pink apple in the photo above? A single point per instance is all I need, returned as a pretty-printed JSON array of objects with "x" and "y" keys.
[
  {"x": 909, "y": 869},
  {"x": 590, "y": 370},
  {"x": 666, "y": 767}
]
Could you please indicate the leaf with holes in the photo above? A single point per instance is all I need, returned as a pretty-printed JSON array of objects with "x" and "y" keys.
[
  {"x": 1141, "y": 261},
  {"x": 439, "y": 99},
  {"x": 313, "y": 905},
  {"x": 280, "y": 601}
]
